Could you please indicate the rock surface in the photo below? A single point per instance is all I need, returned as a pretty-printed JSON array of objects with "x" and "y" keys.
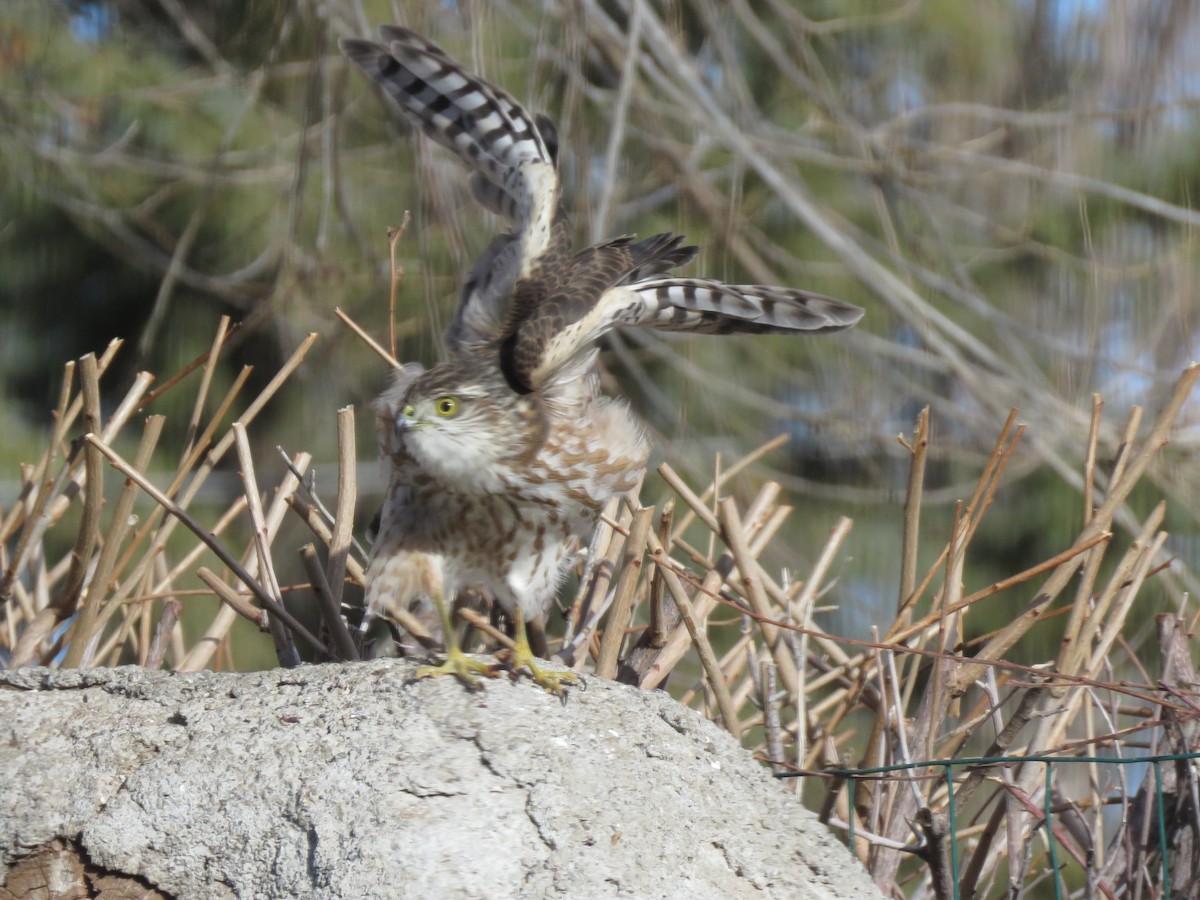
[{"x": 355, "y": 781}]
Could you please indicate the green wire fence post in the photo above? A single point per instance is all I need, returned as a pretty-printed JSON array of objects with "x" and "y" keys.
[
  {"x": 1162, "y": 829},
  {"x": 953, "y": 826},
  {"x": 1048, "y": 824}
]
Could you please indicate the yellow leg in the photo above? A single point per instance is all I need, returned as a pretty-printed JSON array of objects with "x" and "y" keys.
[
  {"x": 456, "y": 663},
  {"x": 523, "y": 658}
]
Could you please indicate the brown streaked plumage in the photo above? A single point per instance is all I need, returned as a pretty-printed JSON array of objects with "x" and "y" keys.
[{"x": 502, "y": 457}]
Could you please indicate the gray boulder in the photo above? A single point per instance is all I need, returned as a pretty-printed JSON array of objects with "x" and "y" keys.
[{"x": 355, "y": 781}]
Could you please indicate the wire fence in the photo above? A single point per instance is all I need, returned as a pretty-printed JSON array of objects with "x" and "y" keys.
[{"x": 1051, "y": 835}]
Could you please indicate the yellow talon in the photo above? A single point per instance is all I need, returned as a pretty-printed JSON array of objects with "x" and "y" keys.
[
  {"x": 523, "y": 658},
  {"x": 461, "y": 667},
  {"x": 456, "y": 663}
]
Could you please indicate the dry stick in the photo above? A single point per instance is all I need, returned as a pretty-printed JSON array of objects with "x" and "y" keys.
[
  {"x": 119, "y": 601},
  {"x": 65, "y": 414},
  {"x": 699, "y": 509},
  {"x": 739, "y": 651},
  {"x": 204, "y": 359},
  {"x": 935, "y": 851},
  {"x": 1006, "y": 811},
  {"x": 729, "y": 472},
  {"x": 735, "y": 538},
  {"x": 403, "y": 618},
  {"x": 394, "y": 235},
  {"x": 55, "y": 503},
  {"x": 742, "y": 665},
  {"x": 770, "y": 710},
  {"x": 330, "y": 606},
  {"x": 39, "y": 588},
  {"x": 663, "y": 618},
  {"x": 1126, "y": 445},
  {"x": 1117, "y": 493},
  {"x": 1001, "y": 453},
  {"x": 268, "y": 392},
  {"x": 92, "y": 619},
  {"x": 828, "y": 645},
  {"x": 285, "y": 647},
  {"x": 949, "y": 626},
  {"x": 1089, "y": 459},
  {"x": 708, "y": 659},
  {"x": 163, "y": 533},
  {"x": 660, "y": 619},
  {"x": 213, "y": 544},
  {"x": 214, "y": 456},
  {"x": 759, "y": 514},
  {"x": 481, "y": 623},
  {"x": 203, "y": 649},
  {"x": 389, "y": 358},
  {"x": 621, "y": 611},
  {"x": 801, "y": 611},
  {"x": 707, "y": 592},
  {"x": 122, "y": 596},
  {"x": 879, "y": 797},
  {"x": 767, "y": 531},
  {"x": 715, "y": 497},
  {"x": 985, "y": 491},
  {"x": 1071, "y": 649},
  {"x": 197, "y": 449},
  {"x": 210, "y": 367},
  {"x": 162, "y": 634},
  {"x": 116, "y": 421},
  {"x": 89, "y": 527},
  {"x": 1003, "y": 585},
  {"x": 33, "y": 518},
  {"x": 343, "y": 518},
  {"x": 979, "y": 503},
  {"x": 1133, "y": 691},
  {"x": 142, "y": 613},
  {"x": 248, "y": 415},
  {"x": 588, "y": 607},
  {"x": 185, "y": 562},
  {"x": 912, "y": 512},
  {"x": 235, "y": 601},
  {"x": 310, "y": 488},
  {"x": 1139, "y": 572},
  {"x": 1128, "y": 578},
  {"x": 1074, "y": 644}
]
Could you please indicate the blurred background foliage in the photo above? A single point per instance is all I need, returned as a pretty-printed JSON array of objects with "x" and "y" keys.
[{"x": 1007, "y": 187}]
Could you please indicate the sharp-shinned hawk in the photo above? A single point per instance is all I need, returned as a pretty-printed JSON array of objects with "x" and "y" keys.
[{"x": 502, "y": 456}]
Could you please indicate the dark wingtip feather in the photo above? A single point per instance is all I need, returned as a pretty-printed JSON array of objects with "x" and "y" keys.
[
  {"x": 657, "y": 255},
  {"x": 549, "y": 133},
  {"x": 356, "y": 48}
]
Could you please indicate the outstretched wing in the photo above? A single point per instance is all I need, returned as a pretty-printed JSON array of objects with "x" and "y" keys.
[
  {"x": 511, "y": 154},
  {"x": 555, "y": 327},
  {"x": 696, "y": 305}
]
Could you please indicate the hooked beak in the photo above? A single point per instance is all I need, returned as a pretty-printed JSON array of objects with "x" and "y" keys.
[{"x": 407, "y": 419}]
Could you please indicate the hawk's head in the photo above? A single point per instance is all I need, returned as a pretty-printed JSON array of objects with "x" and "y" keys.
[{"x": 460, "y": 420}]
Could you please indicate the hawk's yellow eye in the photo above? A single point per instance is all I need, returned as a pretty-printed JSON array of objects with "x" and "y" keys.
[{"x": 446, "y": 406}]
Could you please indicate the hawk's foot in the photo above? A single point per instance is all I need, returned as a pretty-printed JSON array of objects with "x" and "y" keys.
[
  {"x": 523, "y": 658},
  {"x": 555, "y": 683},
  {"x": 462, "y": 667}
]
